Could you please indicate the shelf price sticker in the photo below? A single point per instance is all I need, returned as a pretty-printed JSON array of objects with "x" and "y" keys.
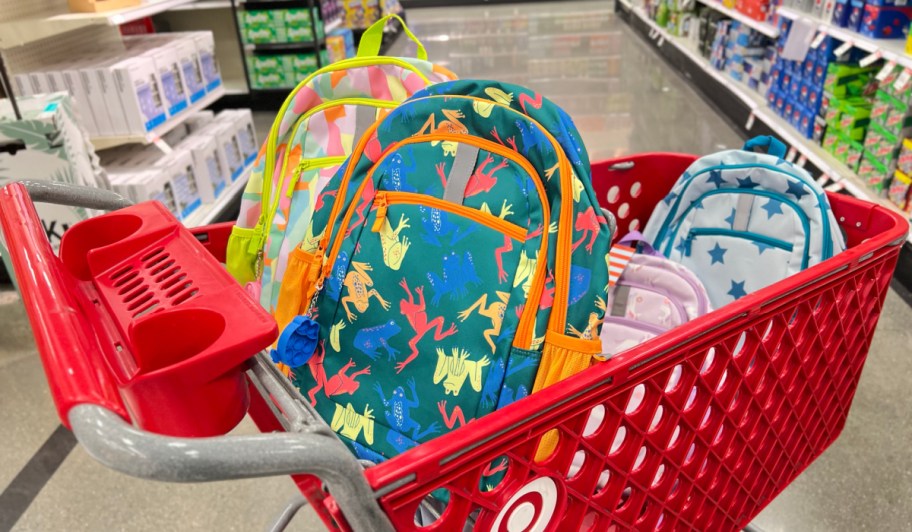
[
  {"x": 661, "y": 41},
  {"x": 790, "y": 156},
  {"x": 846, "y": 46},
  {"x": 902, "y": 81},
  {"x": 818, "y": 40},
  {"x": 823, "y": 179},
  {"x": 885, "y": 71},
  {"x": 871, "y": 59},
  {"x": 802, "y": 161},
  {"x": 750, "y": 121}
]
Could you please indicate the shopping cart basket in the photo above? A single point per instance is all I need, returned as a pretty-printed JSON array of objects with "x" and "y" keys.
[{"x": 698, "y": 428}]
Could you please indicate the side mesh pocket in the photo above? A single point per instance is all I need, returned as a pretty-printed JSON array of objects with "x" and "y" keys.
[
  {"x": 563, "y": 356},
  {"x": 239, "y": 260}
]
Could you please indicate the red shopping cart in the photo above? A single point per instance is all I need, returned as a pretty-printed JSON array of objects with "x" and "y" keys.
[{"x": 698, "y": 428}]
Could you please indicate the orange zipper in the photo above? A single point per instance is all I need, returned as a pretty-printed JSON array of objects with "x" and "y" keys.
[{"x": 387, "y": 198}]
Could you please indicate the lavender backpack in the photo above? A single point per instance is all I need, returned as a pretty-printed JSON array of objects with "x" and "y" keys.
[{"x": 651, "y": 295}]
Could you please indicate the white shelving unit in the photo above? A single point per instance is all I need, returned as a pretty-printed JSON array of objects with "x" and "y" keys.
[
  {"x": 18, "y": 31},
  {"x": 103, "y": 143},
  {"x": 763, "y": 27},
  {"x": 889, "y": 49},
  {"x": 831, "y": 168},
  {"x": 210, "y": 212}
]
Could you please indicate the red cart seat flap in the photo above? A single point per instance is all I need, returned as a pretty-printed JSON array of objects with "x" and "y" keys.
[{"x": 174, "y": 327}]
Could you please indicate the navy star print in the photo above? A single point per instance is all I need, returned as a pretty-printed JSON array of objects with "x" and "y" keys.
[
  {"x": 731, "y": 219},
  {"x": 737, "y": 289},
  {"x": 796, "y": 189},
  {"x": 747, "y": 182},
  {"x": 715, "y": 177},
  {"x": 717, "y": 254},
  {"x": 761, "y": 247}
]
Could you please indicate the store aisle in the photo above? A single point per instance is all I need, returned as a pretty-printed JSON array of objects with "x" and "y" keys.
[{"x": 624, "y": 99}]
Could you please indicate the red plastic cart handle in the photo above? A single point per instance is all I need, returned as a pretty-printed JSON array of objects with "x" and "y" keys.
[{"x": 70, "y": 355}]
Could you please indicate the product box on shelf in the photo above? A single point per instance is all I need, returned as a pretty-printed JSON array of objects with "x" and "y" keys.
[
  {"x": 211, "y": 176},
  {"x": 168, "y": 67},
  {"x": 242, "y": 122},
  {"x": 139, "y": 94},
  {"x": 820, "y": 127},
  {"x": 875, "y": 175},
  {"x": 205, "y": 48},
  {"x": 841, "y": 12},
  {"x": 880, "y": 143},
  {"x": 190, "y": 67},
  {"x": 886, "y": 22},
  {"x": 856, "y": 15},
  {"x": 826, "y": 12},
  {"x": 229, "y": 147},
  {"x": 340, "y": 44},
  {"x": 360, "y": 14},
  {"x": 261, "y": 26},
  {"x": 854, "y": 152},
  {"x": 898, "y": 192},
  {"x": 904, "y": 160},
  {"x": 180, "y": 166}
]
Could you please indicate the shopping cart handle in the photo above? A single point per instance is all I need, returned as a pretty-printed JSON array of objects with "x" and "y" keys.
[{"x": 69, "y": 354}]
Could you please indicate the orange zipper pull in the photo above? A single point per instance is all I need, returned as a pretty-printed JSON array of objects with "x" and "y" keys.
[{"x": 381, "y": 212}]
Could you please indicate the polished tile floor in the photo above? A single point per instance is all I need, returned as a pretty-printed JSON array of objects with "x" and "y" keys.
[{"x": 624, "y": 99}]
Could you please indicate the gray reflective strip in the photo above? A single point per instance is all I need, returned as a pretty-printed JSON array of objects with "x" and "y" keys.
[
  {"x": 460, "y": 173},
  {"x": 364, "y": 118},
  {"x": 621, "y": 295},
  {"x": 743, "y": 212}
]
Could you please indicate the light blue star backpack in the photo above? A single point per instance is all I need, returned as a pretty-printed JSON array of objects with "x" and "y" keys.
[{"x": 742, "y": 220}]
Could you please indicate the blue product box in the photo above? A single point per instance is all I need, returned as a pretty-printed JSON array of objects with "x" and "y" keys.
[
  {"x": 856, "y": 14},
  {"x": 886, "y": 22},
  {"x": 888, "y": 3},
  {"x": 805, "y": 124},
  {"x": 787, "y": 109},
  {"x": 807, "y": 71},
  {"x": 820, "y": 70},
  {"x": 803, "y": 93},
  {"x": 813, "y": 99},
  {"x": 780, "y": 103},
  {"x": 841, "y": 13},
  {"x": 771, "y": 96},
  {"x": 797, "y": 113},
  {"x": 795, "y": 88},
  {"x": 785, "y": 80}
]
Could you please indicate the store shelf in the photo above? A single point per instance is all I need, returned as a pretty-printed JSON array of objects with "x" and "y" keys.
[
  {"x": 283, "y": 47},
  {"x": 889, "y": 49},
  {"x": 17, "y": 32},
  {"x": 812, "y": 152},
  {"x": 763, "y": 27},
  {"x": 211, "y": 212},
  {"x": 273, "y": 4},
  {"x": 103, "y": 143}
]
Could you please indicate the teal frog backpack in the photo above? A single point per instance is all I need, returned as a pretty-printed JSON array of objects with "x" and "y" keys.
[{"x": 459, "y": 263}]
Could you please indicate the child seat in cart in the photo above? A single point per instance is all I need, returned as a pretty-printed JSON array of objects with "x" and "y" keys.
[{"x": 698, "y": 428}]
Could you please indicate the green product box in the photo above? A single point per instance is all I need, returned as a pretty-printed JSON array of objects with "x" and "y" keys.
[
  {"x": 874, "y": 173},
  {"x": 854, "y": 152},
  {"x": 833, "y": 112},
  {"x": 299, "y": 66},
  {"x": 855, "y": 113},
  {"x": 838, "y": 76},
  {"x": 265, "y": 64},
  {"x": 261, "y": 26},
  {"x": 831, "y": 139},
  {"x": 880, "y": 143},
  {"x": 841, "y": 148}
]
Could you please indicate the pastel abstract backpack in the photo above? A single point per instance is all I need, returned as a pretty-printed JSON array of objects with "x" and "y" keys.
[
  {"x": 460, "y": 266},
  {"x": 651, "y": 296},
  {"x": 742, "y": 220},
  {"x": 315, "y": 130}
]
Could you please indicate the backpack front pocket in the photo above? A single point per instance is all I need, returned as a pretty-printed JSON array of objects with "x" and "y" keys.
[
  {"x": 706, "y": 250},
  {"x": 415, "y": 272}
]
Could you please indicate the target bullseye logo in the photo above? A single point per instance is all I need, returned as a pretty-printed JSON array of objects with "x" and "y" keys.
[{"x": 529, "y": 509}]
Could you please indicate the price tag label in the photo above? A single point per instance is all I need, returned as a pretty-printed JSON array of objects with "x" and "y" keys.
[
  {"x": 885, "y": 71},
  {"x": 661, "y": 42},
  {"x": 903, "y": 80},
  {"x": 790, "y": 156},
  {"x": 818, "y": 40},
  {"x": 835, "y": 187},
  {"x": 750, "y": 122},
  {"x": 802, "y": 161},
  {"x": 823, "y": 179},
  {"x": 871, "y": 59},
  {"x": 846, "y": 46}
]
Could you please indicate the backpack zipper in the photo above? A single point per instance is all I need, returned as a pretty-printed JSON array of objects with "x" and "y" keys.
[
  {"x": 303, "y": 166},
  {"x": 387, "y": 198},
  {"x": 745, "y": 235}
]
